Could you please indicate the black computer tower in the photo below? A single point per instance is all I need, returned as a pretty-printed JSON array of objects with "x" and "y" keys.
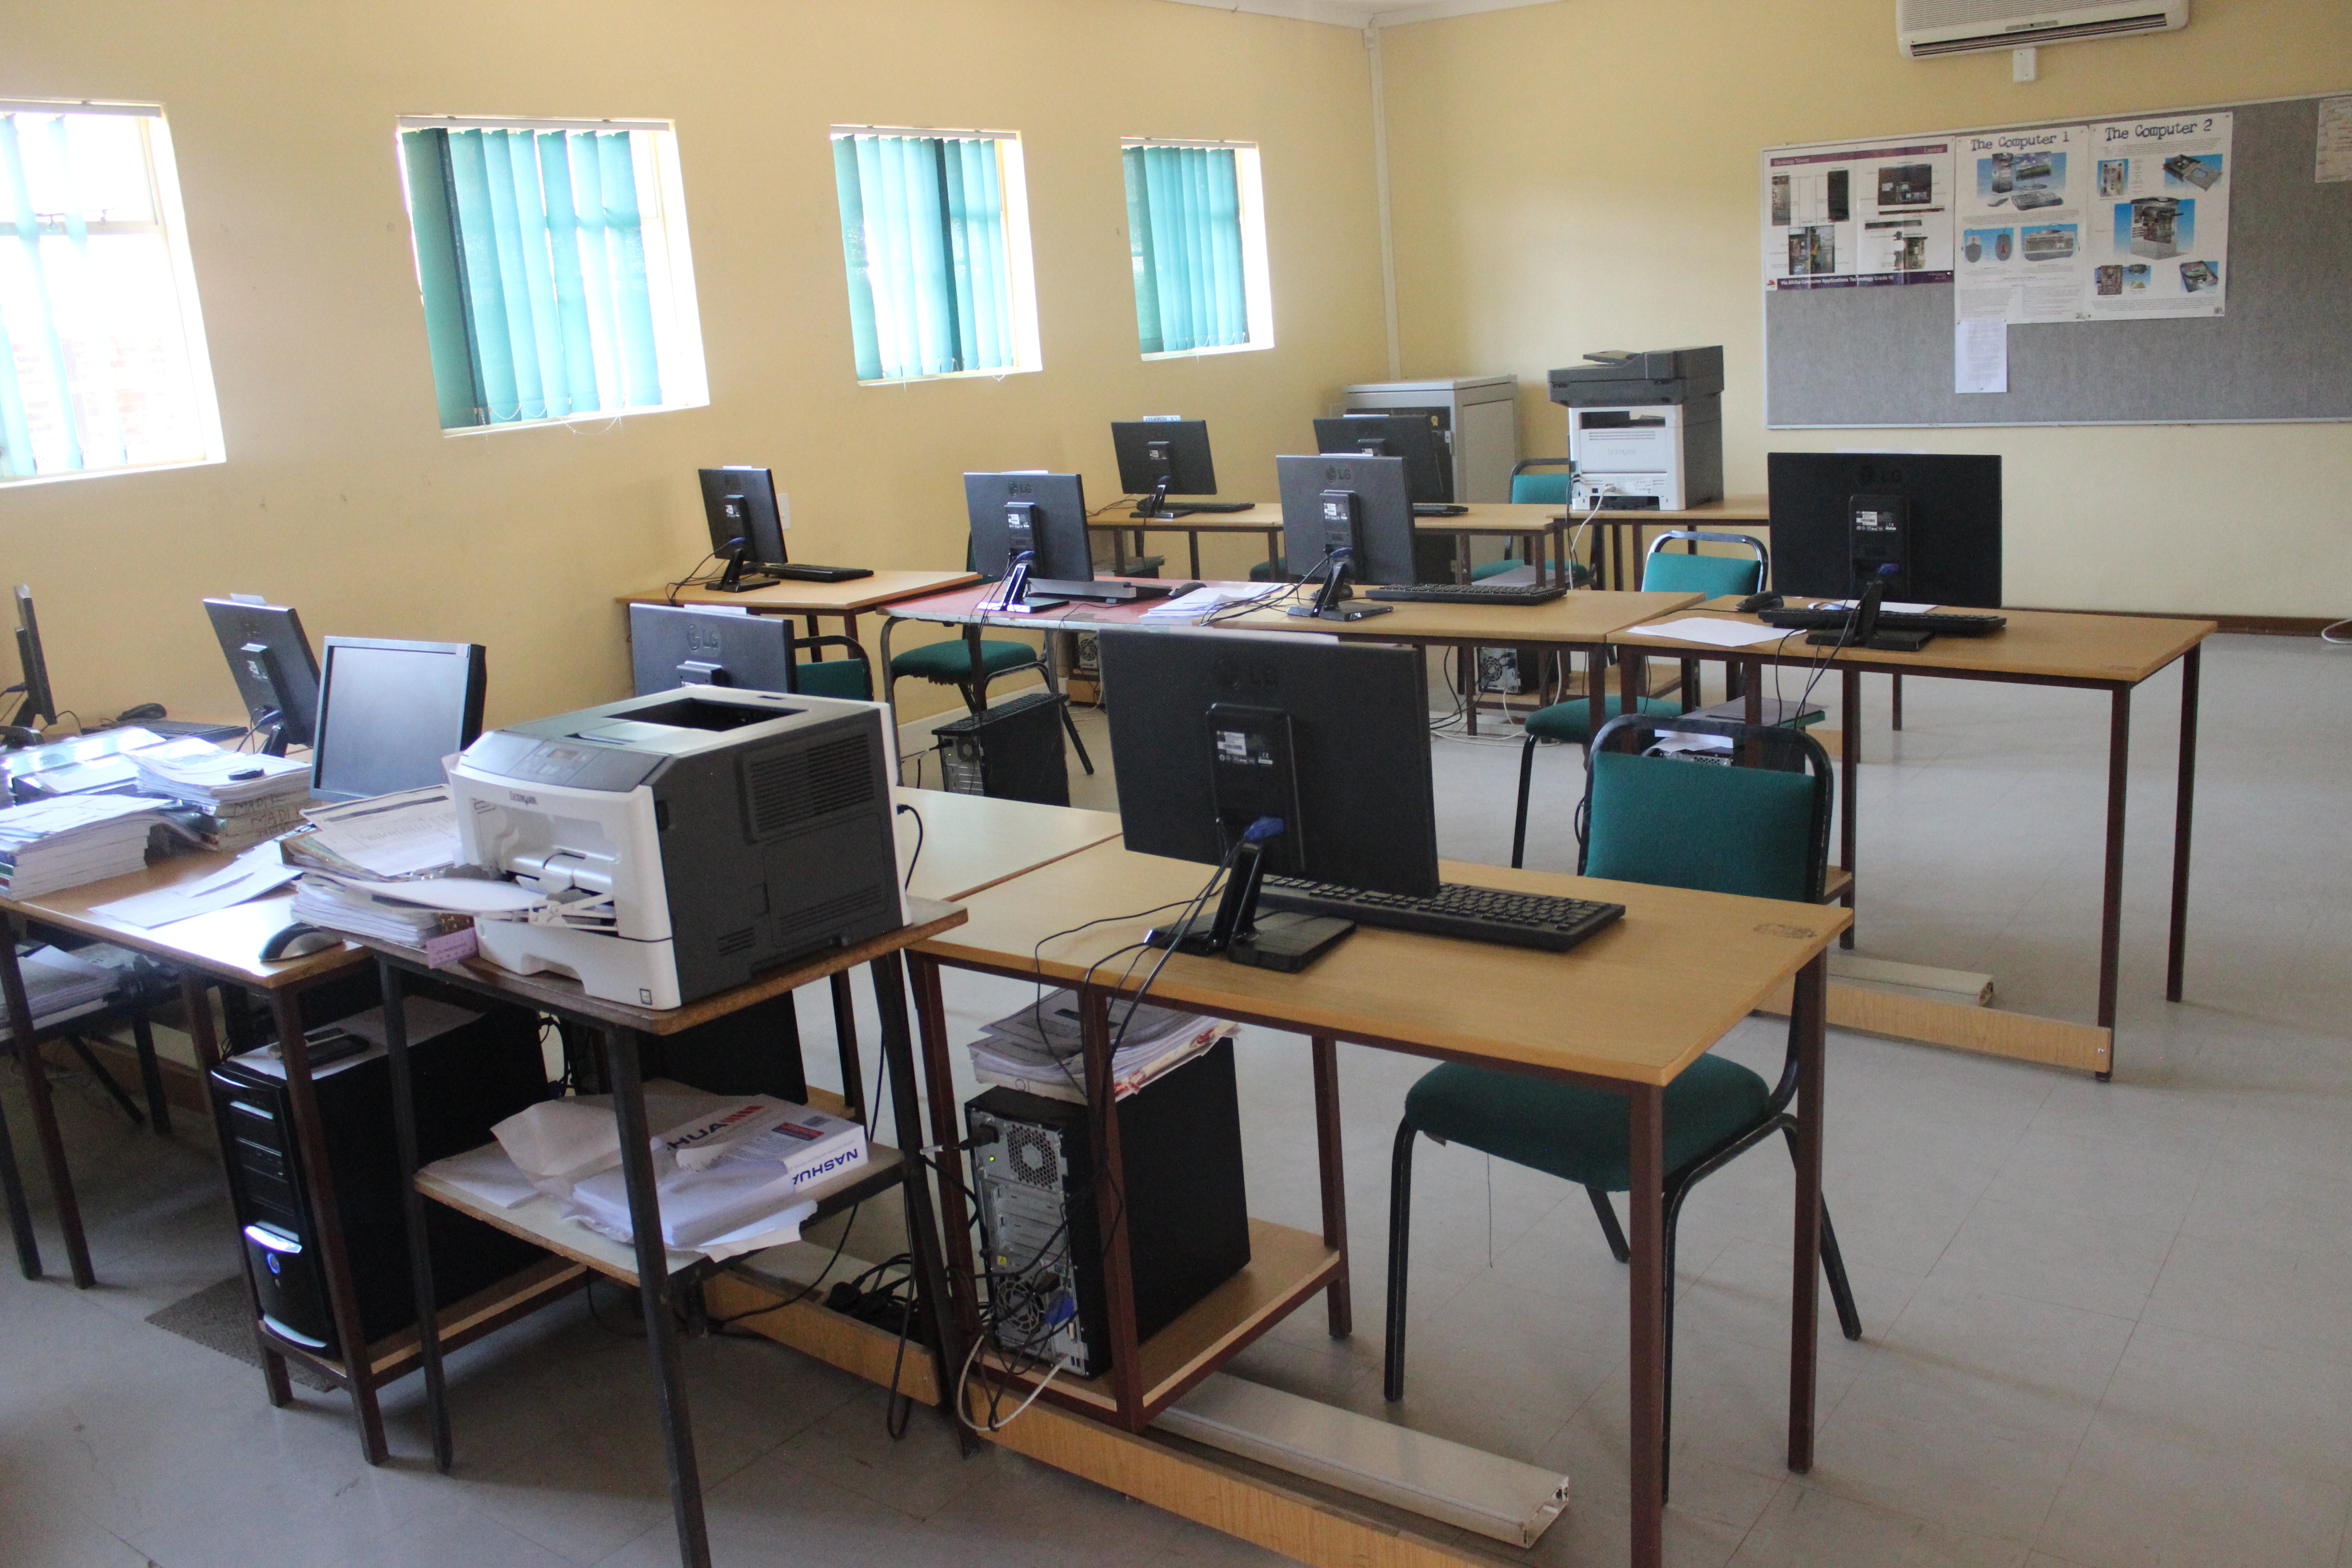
[
  {"x": 471, "y": 1069},
  {"x": 1012, "y": 752},
  {"x": 1182, "y": 1206}
]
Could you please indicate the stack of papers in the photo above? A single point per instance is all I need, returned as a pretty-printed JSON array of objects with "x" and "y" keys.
[
  {"x": 1037, "y": 1049},
  {"x": 235, "y": 799},
  {"x": 389, "y": 837},
  {"x": 740, "y": 1167},
  {"x": 377, "y": 868},
  {"x": 256, "y": 871},
  {"x": 1205, "y": 599},
  {"x": 59, "y": 985},
  {"x": 73, "y": 840},
  {"x": 330, "y": 903}
]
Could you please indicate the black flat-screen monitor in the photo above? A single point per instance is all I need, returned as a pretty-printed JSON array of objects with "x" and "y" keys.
[
  {"x": 739, "y": 503},
  {"x": 1210, "y": 730},
  {"x": 1163, "y": 456},
  {"x": 673, "y": 647},
  {"x": 1838, "y": 519},
  {"x": 1329, "y": 500},
  {"x": 389, "y": 711},
  {"x": 1046, "y": 511},
  {"x": 39, "y": 702},
  {"x": 1412, "y": 437},
  {"x": 277, "y": 675}
]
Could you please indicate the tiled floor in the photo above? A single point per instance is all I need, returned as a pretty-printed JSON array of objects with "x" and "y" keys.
[{"x": 2107, "y": 1325}]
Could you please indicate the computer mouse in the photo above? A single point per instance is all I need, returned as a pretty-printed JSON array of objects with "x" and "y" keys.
[
  {"x": 1188, "y": 588},
  {"x": 144, "y": 711},
  {"x": 1754, "y": 602},
  {"x": 297, "y": 941}
]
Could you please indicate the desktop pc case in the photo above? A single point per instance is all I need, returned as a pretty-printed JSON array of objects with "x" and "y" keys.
[
  {"x": 1012, "y": 751},
  {"x": 471, "y": 1070},
  {"x": 1182, "y": 1207}
]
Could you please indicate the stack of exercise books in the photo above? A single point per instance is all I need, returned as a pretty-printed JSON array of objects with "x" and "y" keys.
[
  {"x": 60, "y": 985},
  {"x": 1037, "y": 1049},
  {"x": 72, "y": 839},
  {"x": 353, "y": 851},
  {"x": 228, "y": 801}
]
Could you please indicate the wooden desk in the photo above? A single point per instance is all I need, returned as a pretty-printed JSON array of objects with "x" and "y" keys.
[
  {"x": 646, "y": 1262},
  {"x": 1118, "y": 521},
  {"x": 2038, "y": 647},
  {"x": 971, "y": 842},
  {"x": 845, "y": 600},
  {"x": 1626, "y": 1011},
  {"x": 960, "y": 607}
]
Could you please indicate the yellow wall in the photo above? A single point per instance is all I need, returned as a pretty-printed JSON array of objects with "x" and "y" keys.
[
  {"x": 341, "y": 495},
  {"x": 1583, "y": 175}
]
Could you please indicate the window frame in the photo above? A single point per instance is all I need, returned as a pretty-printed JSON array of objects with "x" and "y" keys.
[
  {"x": 170, "y": 223},
  {"x": 1020, "y": 255},
  {"x": 678, "y": 342},
  {"x": 1257, "y": 275}
]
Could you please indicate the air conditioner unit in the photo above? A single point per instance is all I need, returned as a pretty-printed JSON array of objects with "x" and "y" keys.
[{"x": 1957, "y": 26}]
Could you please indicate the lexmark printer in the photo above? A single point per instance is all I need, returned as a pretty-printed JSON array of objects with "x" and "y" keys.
[
  {"x": 1645, "y": 429},
  {"x": 686, "y": 839}
]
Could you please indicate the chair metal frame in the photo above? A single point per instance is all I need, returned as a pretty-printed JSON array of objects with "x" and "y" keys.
[{"x": 1695, "y": 537}]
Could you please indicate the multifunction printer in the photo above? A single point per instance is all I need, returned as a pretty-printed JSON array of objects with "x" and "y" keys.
[{"x": 1644, "y": 429}]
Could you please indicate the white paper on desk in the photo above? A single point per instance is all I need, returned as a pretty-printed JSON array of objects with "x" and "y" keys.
[
  {"x": 1716, "y": 634},
  {"x": 256, "y": 871},
  {"x": 392, "y": 835},
  {"x": 1980, "y": 355},
  {"x": 1887, "y": 606},
  {"x": 1205, "y": 598},
  {"x": 458, "y": 895},
  {"x": 487, "y": 1174}
]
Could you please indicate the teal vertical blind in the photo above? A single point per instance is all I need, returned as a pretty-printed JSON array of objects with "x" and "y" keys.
[
  {"x": 930, "y": 257},
  {"x": 1184, "y": 235},
  {"x": 530, "y": 254}
]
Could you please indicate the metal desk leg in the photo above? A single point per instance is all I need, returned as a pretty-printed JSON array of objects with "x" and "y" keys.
[
  {"x": 1895, "y": 723},
  {"x": 2111, "y": 913},
  {"x": 939, "y": 1085},
  {"x": 1849, "y": 780},
  {"x": 1596, "y": 684},
  {"x": 1562, "y": 574},
  {"x": 889, "y": 972},
  {"x": 342, "y": 1298},
  {"x": 1807, "y": 1015},
  {"x": 890, "y": 697},
  {"x": 1338, "y": 1300},
  {"x": 151, "y": 1074},
  {"x": 412, "y": 1203},
  {"x": 45, "y": 1116},
  {"x": 1192, "y": 540},
  {"x": 845, "y": 1034},
  {"x": 1646, "y": 1232},
  {"x": 1274, "y": 554},
  {"x": 621, "y": 1056},
  {"x": 2183, "y": 808},
  {"x": 20, "y": 1211}
]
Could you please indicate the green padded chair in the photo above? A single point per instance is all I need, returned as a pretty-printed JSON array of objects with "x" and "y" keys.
[
  {"x": 1663, "y": 572},
  {"x": 1531, "y": 488},
  {"x": 1760, "y": 827},
  {"x": 849, "y": 677},
  {"x": 971, "y": 663}
]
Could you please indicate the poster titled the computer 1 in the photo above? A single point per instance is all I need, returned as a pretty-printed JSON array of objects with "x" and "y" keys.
[{"x": 2023, "y": 200}]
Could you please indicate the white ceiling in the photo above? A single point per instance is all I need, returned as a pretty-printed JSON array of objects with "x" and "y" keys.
[{"x": 1363, "y": 12}]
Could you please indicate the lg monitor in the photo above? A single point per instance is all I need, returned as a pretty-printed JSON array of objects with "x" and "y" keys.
[
  {"x": 277, "y": 677},
  {"x": 1160, "y": 457},
  {"x": 1412, "y": 436},
  {"x": 740, "y": 505},
  {"x": 1044, "y": 517},
  {"x": 1355, "y": 504},
  {"x": 686, "y": 646},
  {"x": 389, "y": 711},
  {"x": 1841, "y": 520},
  {"x": 40, "y": 704}
]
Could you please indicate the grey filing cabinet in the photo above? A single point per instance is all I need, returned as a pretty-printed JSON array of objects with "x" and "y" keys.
[{"x": 1478, "y": 416}]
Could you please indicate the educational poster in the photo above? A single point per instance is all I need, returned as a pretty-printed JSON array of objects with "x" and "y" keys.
[
  {"x": 2022, "y": 201},
  {"x": 2157, "y": 237},
  {"x": 1858, "y": 215}
]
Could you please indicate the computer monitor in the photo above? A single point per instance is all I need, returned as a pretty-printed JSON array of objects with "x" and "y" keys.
[
  {"x": 686, "y": 647},
  {"x": 1359, "y": 502},
  {"x": 277, "y": 676},
  {"x": 40, "y": 703},
  {"x": 1212, "y": 731},
  {"x": 1412, "y": 437},
  {"x": 1838, "y": 519},
  {"x": 739, "y": 504},
  {"x": 1160, "y": 457},
  {"x": 389, "y": 711},
  {"x": 1045, "y": 514}
]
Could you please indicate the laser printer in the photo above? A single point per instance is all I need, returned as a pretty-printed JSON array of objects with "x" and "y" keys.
[
  {"x": 1646, "y": 428},
  {"x": 685, "y": 840}
]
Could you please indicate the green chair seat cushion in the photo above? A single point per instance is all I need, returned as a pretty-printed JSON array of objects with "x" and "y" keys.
[
  {"x": 1582, "y": 1134},
  {"x": 1540, "y": 488},
  {"x": 1573, "y": 720},
  {"x": 1487, "y": 569},
  {"x": 843, "y": 678},
  {"x": 1269, "y": 571},
  {"x": 1751, "y": 833},
  {"x": 948, "y": 662},
  {"x": 1671, "y": 571}
]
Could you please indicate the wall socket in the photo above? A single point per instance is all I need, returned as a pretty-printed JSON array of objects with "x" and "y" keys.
[{"x": 784, "y": 510}]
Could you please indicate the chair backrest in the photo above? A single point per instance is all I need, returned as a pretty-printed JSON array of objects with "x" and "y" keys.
[
  {"x": 850, "y": 678},
  {"x": 1529, "y": 489},
  {"x": 1759, "y": 826},
  {"x": 1672, "y": 572}
]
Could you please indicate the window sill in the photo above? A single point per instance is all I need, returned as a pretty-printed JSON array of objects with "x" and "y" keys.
[
  {"x": 13, "y": 481},
  {"x": 1203, "y": 353},
  {"x": 997, "y": 375},
  {"x": 576, "y": 421}
]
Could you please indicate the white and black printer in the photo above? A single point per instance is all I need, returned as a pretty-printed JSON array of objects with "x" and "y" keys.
[{"x": 685, "y": 840}]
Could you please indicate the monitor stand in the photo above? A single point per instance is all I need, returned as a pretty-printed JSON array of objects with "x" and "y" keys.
[
  {"x": 1332, "y": 601},
  {"x": 1280, "y": 941},
  {"x": 732, "y": 580}
]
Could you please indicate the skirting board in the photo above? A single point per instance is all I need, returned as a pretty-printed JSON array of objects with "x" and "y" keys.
[
  {"x": 1963, "y": 986},
  {"x": 2021, "y": 1037}
]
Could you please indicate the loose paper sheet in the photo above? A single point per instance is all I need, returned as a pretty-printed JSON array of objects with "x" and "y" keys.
[
  {"x": 2333, "y": 158},
  {"x": 1980, "y": 355},
  {"x": 1717, "y": 634}
]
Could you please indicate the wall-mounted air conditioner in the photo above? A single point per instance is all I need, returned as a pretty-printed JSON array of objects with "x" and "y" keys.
[{"x": 1955, "y": 26}]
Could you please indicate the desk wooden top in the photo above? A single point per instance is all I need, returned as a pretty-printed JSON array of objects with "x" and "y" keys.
[
  {"x": 2054, "y": 645},
  {"x": 972, "y": 842},
  {"x": 1636, "y": 1003},
  {"x": 225, "y": 944},
  {"x": 1483, "y": 517},
  {"x": 790, "y": 598},
  {"x": 1582, "y": 616},
  {"x": 961, "y": 605}
]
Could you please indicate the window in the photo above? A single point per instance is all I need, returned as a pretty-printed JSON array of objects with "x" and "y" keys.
[
  {"x": 105, "y": 368},
  {"x": 935, "y": 231},
  {"x": 553, "y": 258},
  {"x": 1196, "y": 232}
]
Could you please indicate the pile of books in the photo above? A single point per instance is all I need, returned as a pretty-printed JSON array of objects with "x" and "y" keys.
[
  {"x": 1037, "y": 1049},
  {"x": 228, "y": 801},
  {"x": 72, "y": 839},
  {"x": 60, "y": 985},
  {"x": 379, "y": 869}
]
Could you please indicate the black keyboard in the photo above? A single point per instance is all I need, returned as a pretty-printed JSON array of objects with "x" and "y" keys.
[
  {"x": 1942, "y": 623},
  {"x": 1183, "y": 507},
  {"x": 1470, "y": 594},
  {"x": 1543, "y": 921},
  {"x": 1439, "y": 509},
  {"x": 799, "y": 573}
]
